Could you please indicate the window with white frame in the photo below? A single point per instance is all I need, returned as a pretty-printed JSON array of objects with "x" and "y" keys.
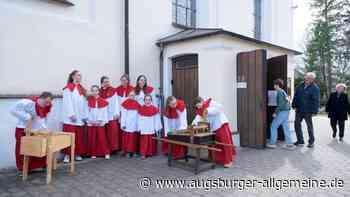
[{"x": 184, "y": 13}]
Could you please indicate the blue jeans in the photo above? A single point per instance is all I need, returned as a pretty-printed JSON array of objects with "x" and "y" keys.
[{"x": 281, "y": 118}]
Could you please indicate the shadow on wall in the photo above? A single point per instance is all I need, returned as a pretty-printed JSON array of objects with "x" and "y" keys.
[{"x": 8, "y": 125}]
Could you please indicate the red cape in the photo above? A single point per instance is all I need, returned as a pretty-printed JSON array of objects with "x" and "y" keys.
[
  {"x": 131, "y": 104},
  {"x": 201, "y": 110},
  {"x": 148, "y": 110},
  {"x": 40, "y": 111},
  {"x": 101, "y": 102},
  {"x": 107, "y": 92},
  {"x": 148, "y": 90},
  {"x": 124, "y": 91},
  {"x": 172, "y": 112},
  {"x": 72, "y": 86}
]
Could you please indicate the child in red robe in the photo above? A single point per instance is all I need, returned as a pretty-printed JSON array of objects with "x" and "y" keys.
[
  {"x": 213, "y": 113},
  {"x": 128, "y": 122},
  {"x": 148, "y": 124},
  {"x": 113, "y": 132},
  {"x": 96, "y": 121},
  {"x": 35, "y": 109},
  {"x": 175, "y": 118}
]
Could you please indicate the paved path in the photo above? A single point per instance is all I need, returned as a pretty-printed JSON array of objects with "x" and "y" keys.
[{"x": 328, "y": 160}]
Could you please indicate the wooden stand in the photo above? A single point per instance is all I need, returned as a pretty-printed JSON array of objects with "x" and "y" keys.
[
  {"x": 197, "y": 147},
  {"x": 43, "y": 143}
]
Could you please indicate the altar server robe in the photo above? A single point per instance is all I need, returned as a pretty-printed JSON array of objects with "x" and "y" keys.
[
  {"x": 113, "y": 132},
  {"x": 148, "y": 124},
  {"x": 220, "y": 126},
  {"x": 128, "y": 123},
  {"x": 175, "y": 119},
  {"x": 24, "y": 110},
  {"x": 97, "y": 118},
  {"x": 74, "y": 104}
]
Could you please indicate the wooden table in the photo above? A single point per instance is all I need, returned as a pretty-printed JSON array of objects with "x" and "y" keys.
[
  {"x": 43, "y": 143},
  {"x": 197, "y": 148}
]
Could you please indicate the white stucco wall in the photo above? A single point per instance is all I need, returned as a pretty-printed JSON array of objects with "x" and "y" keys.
[
  {"x": 149, "y": 21},
  {"x": 277, "y": 22},
  {"x": 41, "y": 42},
  {"x": 48, "y": 40}
]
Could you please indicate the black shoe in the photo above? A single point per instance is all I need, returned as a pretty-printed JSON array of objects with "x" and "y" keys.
[
  {"x": 341, "y": 139},
  {"x": 334, "y": 135},
  {"x": 310, "y": 145},
  {"x": 298, "y": 144}
]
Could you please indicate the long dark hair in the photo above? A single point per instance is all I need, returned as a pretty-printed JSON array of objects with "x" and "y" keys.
[
  {"x": 138, "y": 88},
  {"x": 70, "y": 76},
  {"x": 103, "y": 78},
  {"x": 71, "y": 80}
]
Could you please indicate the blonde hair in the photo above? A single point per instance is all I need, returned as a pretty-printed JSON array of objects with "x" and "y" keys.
[{"x": 168, "y": 100}]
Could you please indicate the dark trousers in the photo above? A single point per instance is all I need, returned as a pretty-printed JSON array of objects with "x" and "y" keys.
[
  {"x": 341, "y": 124},
  {"x": 299, "y": 117}
]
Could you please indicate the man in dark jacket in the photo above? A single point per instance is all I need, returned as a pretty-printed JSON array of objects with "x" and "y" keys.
[
  {"x": 306, "y": 103},
  {"x": 338, "y": 109}
]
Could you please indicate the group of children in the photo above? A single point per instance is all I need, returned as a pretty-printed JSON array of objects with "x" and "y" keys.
[{"x": 118, "y": 119}]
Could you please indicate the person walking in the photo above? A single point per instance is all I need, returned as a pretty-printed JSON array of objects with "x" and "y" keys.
[
  {"x": 281, "y": 117},
  {"x": 306, "y": 103},
  {"x": 338, "y": 108}
]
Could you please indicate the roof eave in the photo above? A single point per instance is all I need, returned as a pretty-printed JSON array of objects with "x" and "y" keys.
[{"x": 224, "y": 32}]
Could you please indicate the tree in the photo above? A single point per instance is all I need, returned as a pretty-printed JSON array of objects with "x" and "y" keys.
[{"x": 326, "y": 49}]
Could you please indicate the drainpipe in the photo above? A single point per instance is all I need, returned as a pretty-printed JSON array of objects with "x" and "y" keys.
[
  {"x": 161, "y": 77},
  {"x": 126, "y": 37}
]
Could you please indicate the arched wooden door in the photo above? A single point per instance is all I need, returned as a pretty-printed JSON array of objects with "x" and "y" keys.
[{"x": 185, "y": 81}]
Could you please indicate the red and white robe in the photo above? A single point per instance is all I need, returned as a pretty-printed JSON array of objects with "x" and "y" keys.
[
  {"x": 97, "y": 139},
  {"x": 24, "y": 110},
  {"x": 123, "y": 92},
  {"x": 128, "y": 123},
  {"x": 148, "y": 124},
  {"x": 113, "y": 132},
  {"x": 74, "y": 104},
  {"x": 148, "y": 91},
  {"x": 175, "y": 119},
  {"x": 220, "y": 126}
]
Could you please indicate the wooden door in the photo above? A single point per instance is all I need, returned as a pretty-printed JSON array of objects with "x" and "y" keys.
[
  {"x": 185, "y": 81},
  {"x": 277, "y": 69},
  {"x": 252, "y": 98}
]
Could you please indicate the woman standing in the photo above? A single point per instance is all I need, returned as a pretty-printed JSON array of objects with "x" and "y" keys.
[
  {"x": 212, "y": 112},
  {"x": 281, "y": 117},
  {"x": 142, "y": 88},
  {"x": 338, "y": 108},
  {"x": 74, "y": 113},
  {"x": 112, "y": 128},
  {"x": 175, "y": 118}
]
